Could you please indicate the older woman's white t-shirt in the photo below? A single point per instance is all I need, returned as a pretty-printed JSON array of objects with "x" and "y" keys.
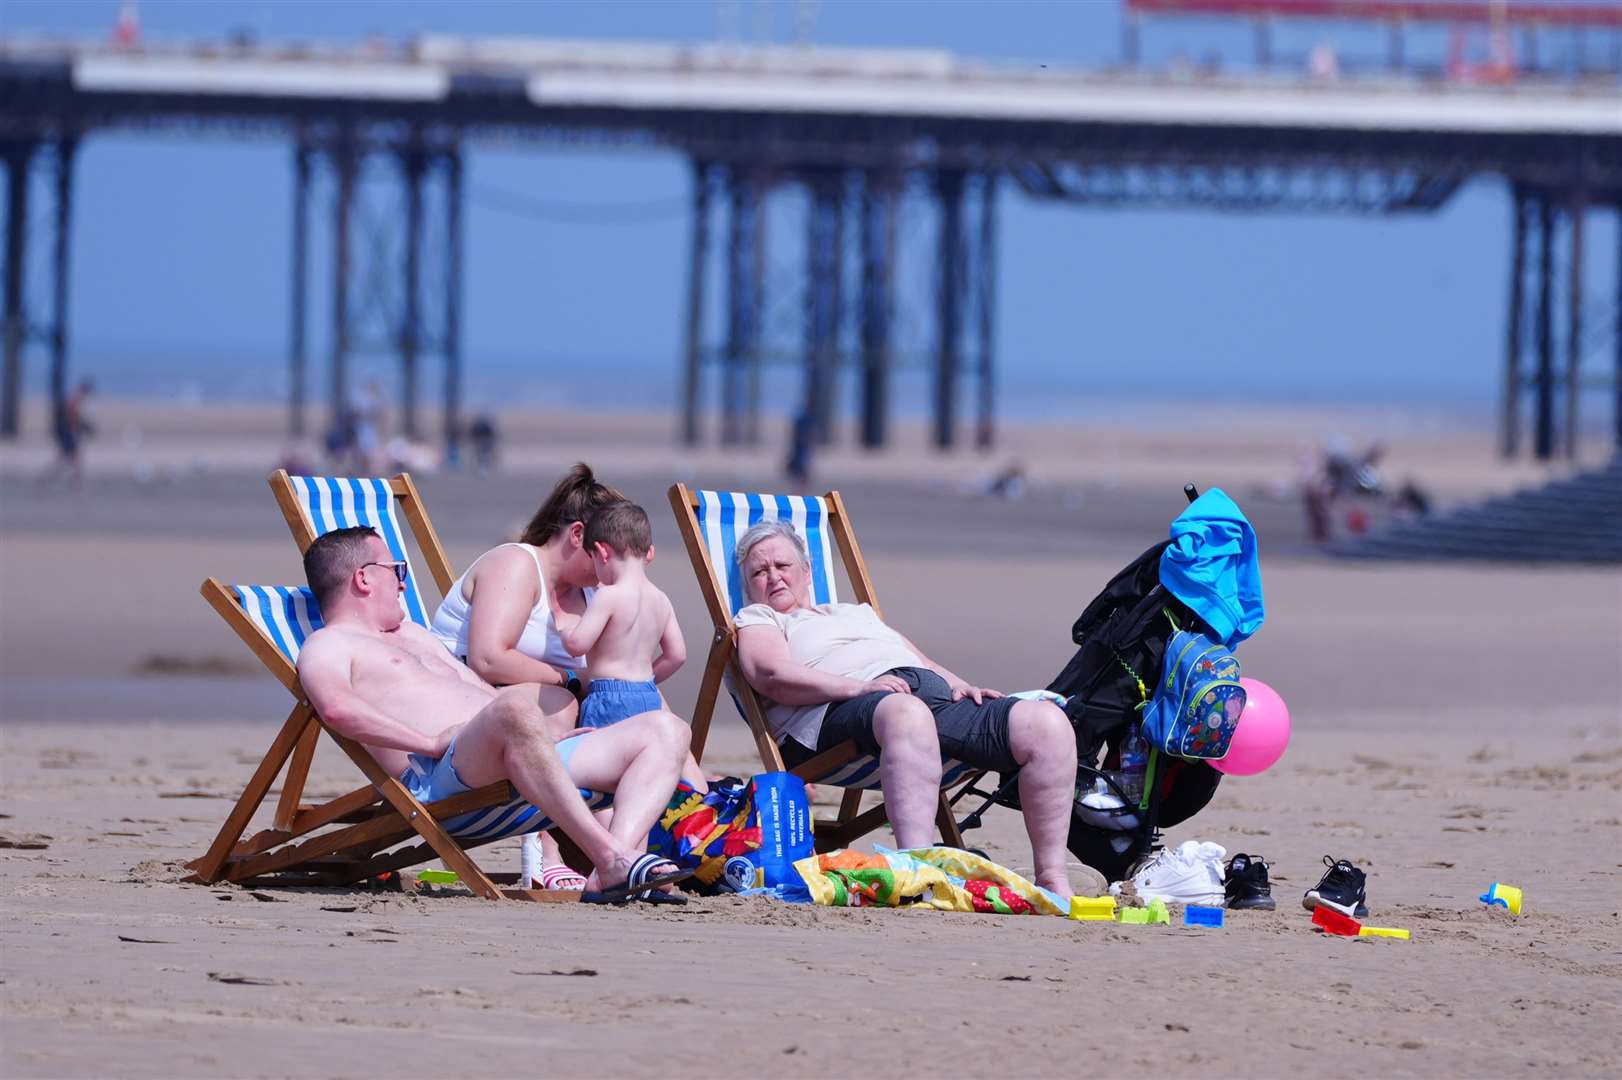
[{"x": 838, "y": 639}]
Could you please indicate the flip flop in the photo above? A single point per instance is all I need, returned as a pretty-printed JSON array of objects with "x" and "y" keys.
[
  {"x": 563, "y": 878},
  {"x": 657, "y": 897},
  {"x": 641, "y": 880}
]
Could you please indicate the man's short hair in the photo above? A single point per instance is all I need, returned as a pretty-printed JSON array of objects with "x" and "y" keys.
[
  {"x": 333, "y": 557},
  {"x": 623, "y": 526},
  {"x": 764, "y": 531}
]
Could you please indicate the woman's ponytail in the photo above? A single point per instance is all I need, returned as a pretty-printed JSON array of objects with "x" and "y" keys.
[{"x": 575, "y": 498}]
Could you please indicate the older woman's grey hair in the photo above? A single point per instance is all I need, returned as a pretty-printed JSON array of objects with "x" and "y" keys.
[{"x": 764, "y": 531}]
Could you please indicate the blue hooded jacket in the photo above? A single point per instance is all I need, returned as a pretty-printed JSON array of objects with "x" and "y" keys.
[{"x": 1211, "y": 566}]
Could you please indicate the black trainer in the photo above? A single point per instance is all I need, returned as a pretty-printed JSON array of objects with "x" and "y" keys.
[
  {"x": 1246, "y": 884},
  {"x": 1341, "y": 888}
]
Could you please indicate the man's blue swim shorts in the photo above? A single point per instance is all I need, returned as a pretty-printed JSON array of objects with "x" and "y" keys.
[{"x": 431, "y": 779}]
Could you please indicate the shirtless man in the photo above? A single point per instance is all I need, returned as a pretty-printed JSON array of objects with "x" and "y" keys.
[{"x": 387, "y": 683}]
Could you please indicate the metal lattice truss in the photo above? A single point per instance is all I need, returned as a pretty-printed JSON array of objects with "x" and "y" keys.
[
  {"x": 880, "y": 271},
  {"x": 394, "y": 200},
  {"x": 1558, "y": 331}
]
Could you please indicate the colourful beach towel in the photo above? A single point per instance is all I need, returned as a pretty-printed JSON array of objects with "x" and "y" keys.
[{"x": 947, "y": 879}]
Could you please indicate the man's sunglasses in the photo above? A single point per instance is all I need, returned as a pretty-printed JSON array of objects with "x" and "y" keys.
[{"x": 399, "y": 569}]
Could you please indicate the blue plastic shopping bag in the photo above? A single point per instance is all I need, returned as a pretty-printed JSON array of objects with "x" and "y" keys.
[{"x": 784, "y": 812}]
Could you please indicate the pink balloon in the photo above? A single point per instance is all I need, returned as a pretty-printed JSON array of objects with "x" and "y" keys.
[{"x": 1262, "y": 734}]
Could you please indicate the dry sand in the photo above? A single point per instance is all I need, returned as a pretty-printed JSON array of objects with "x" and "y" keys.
[{"x": 1454, "y": 726}]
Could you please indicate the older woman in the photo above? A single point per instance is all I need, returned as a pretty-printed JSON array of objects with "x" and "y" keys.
[{"x": 836, "y": 671}]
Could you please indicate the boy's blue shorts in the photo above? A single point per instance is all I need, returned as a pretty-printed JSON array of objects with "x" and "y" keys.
[{"x": 608, "y": 701}]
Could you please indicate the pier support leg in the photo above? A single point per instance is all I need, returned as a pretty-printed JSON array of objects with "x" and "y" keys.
[
  {"x": 824, "y": 279},
  {"x": 986, "y": 301},
  {"x": 879, "y": 199},
  {"x": 746, "y": 271},
  {"x": 67, "y": 147},
  {"x": 1543, "y": 383},
  {"x": 1575, "y": 209},
  {"x": 1509, "y": 429},
  {"x": 19, "y": 159},
  {"x": 451, "y": 162},
  {"x": 297, "y": 344},
  {"x": 697, "y": 270},
  {"x": 949, "y": 185},
  {"x": 413, "y": 168},
  {"x": 345, "y": 162}
]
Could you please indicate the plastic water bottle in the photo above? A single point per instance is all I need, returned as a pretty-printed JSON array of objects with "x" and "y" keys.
[
  {"x": 529, "y": 865},
  {"x": 1134, "y": 763}
]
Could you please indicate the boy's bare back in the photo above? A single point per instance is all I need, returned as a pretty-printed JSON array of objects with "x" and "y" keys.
[
  {"x": 637, "y": 618},
  {"x": 629, "y": 631}
]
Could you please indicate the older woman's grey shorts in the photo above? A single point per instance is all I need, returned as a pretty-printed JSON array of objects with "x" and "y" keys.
[{"x": 974, "y": 734}]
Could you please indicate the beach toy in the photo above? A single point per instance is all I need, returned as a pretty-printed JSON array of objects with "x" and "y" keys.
[
  {"x": 438, "y": 877},
  {"x": 1202, "y": 916},
  {"x": 1504, "y": 896},
  {"x": 1146, "y": 916},
  {"x": 1092, "y": 908},
  {"x": 1262, "y": 734},
  {"x": 1333, "y": 922},
  {"x": 1382, "y": 931}
]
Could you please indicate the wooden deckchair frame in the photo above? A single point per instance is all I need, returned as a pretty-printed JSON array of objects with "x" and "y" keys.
[
  {"x": 376, "y": 818},
  {"x": 852, "y": 822}
]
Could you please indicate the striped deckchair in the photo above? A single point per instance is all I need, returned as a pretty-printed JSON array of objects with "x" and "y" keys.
[
  {"x": 359, "y": 834},
  {"x": 711, "y": 522},
  {"x": 315, "y": 505}
]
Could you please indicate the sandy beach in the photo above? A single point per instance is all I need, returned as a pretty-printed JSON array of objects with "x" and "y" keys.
[{"x": 1455, "y": 725}]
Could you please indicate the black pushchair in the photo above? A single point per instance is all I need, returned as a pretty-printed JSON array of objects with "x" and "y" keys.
[{"x": 1121, "y": 643}]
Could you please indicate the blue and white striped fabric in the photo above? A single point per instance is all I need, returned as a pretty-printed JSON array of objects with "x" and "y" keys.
[
  {"x": 724, "y": 516},
  {"x": 288, "y": 614},
  {"x": 343, "y": 502},
  {"x": 508, "y": 819}
]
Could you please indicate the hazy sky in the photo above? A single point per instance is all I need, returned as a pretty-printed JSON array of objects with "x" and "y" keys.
[{"x": 181, "y": 245}]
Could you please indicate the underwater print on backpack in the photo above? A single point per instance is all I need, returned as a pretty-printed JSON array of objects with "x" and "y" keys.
[
  {"x": 1213, "y": 715},
  {"x": 1198, "y": 702}
]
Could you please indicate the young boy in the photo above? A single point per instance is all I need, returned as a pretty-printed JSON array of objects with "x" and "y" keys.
[{"x": 628, "y": 633}]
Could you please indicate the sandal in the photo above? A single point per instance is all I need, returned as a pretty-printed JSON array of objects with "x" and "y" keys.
[
  {"x": 642, "y": 880},
  {"x": 563, "y": 878}
]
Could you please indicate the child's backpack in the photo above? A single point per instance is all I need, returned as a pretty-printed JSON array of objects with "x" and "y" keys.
[{"x": 1197, "y": 700}]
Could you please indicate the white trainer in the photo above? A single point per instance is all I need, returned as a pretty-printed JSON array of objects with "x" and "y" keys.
[{"x": 1190, "y": 874}]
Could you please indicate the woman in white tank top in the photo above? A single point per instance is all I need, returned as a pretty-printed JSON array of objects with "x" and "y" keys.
[
  {"x": 504, "y": 602},
  {"x": 507, "y": 612}
]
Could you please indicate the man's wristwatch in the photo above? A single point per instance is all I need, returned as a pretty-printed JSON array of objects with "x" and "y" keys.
[{"x": 571, "y": 683}]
